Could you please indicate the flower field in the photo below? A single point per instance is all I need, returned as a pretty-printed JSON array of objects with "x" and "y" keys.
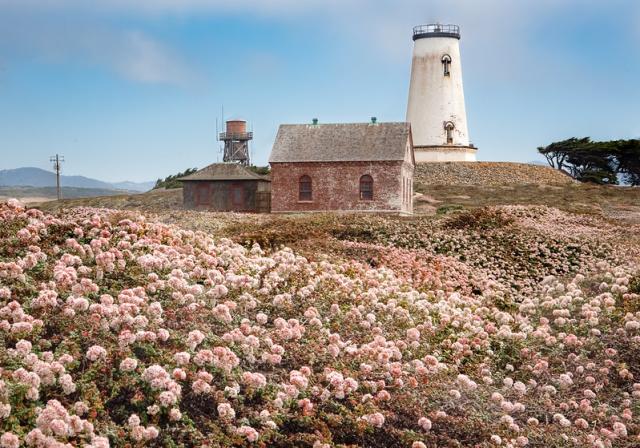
[{"x": 508, "y": 326}]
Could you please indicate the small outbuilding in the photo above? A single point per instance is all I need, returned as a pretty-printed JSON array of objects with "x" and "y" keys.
[
  {"x": 227, "y": 187},
  {"x": 365, "y": 167}
]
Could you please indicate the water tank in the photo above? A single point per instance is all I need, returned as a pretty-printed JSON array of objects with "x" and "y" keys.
[{"x": 236, "y": 127}]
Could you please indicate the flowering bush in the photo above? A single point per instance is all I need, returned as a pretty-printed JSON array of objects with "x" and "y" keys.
[{"x": 121, "y": 331}]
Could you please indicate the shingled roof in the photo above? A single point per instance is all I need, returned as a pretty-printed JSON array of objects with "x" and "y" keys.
[
  {"x": 224, "y": 171},
  {"x": 347, "y": 142}
]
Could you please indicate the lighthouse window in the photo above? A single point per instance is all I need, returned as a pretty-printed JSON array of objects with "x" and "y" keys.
[
  {"x": 449, "y": 127},
  {"x": 305, "y": 189},
  {"x": 446, "y": 64}
]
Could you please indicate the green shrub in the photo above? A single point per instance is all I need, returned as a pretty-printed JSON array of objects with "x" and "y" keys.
[
  {"x": 172, "y": 181},
  {"x": 446, "y": 209},
  {"x": 480, "y": 218}
]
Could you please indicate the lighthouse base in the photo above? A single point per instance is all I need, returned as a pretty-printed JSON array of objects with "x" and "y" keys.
[{"x": 445, "y": 153}]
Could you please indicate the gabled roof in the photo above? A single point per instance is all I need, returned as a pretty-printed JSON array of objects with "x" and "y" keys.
[
  {"x": 347, "y": 142},
  {"x": 224, "y": 171}
]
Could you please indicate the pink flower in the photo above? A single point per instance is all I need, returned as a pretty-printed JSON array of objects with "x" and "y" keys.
[
  {"x": 175, "y": 415},
  {"x": 151, "y": 432},
  {"x": 376, "y": 419},
  {"x": 96, "y": 352},
  {"x": 226, "y": 412},
  {"x": 254, "y": 380},
  {"x": 182, "y": 358},
  {"x": 424, "y": 423},
  {"x": 194, "y": 338},
  {"x": 306, "y": 405},
  {"x": 200, "y": 387},
  {"x": 413, "y": 334},
  {"x": 128, "y": 364},
  {"x": 620, "y": 429},
  {"x": 248, "y": 432},
  {"x": 68, "y": 386},
  {"x": 9, "y": 440}
]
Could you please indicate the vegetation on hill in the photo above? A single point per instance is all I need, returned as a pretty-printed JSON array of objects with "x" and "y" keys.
[
  {"x": 596, "y": 162},
  {"x": 511, "y": 326},
  {"x": 172, "y": 181},
  {"x": 262, "y": 170}
]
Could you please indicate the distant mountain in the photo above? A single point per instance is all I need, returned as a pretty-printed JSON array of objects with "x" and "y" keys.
[
  {"x": 538, "y": 162},
  {"x": 39, "y": 194},
  {"x": 134, "y": 186},
  {"x": 37, "y": 177}
]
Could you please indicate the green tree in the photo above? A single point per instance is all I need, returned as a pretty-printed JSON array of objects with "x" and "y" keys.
[
  {"x": 628, "y": 158},
  {"x": 584, "y": 159},
  {"x": 172, "y": 181}
]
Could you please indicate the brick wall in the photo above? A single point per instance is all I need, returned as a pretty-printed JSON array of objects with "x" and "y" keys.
[{"x": 336, "y": 186}]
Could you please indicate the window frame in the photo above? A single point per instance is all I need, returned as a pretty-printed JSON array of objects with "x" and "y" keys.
[
  {"x": 449, "y": 127},
  {"x": 366, "y": 179},
  {"x": 446, "y": 64},
  {"x": 305, "y": 194}
]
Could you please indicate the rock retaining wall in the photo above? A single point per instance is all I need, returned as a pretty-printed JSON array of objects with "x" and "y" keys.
[{"x": 487, "y": 173}]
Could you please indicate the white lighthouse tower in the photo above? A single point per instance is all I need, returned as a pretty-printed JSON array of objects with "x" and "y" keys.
[{"x": 436, "y": 108}]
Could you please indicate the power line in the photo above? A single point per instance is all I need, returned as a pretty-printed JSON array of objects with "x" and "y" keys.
[{"x": 57, "y": 160}]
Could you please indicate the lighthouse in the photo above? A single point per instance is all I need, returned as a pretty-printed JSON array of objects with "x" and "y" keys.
[{"x": 436, "y": 107}]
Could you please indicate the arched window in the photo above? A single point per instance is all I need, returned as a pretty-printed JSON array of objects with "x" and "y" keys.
[
  {"x": 305, "y": 191},
  {"x": 366, "y": 188},
  {"x": 449, "y": 127},
  {"x": 446, "y": 64}
]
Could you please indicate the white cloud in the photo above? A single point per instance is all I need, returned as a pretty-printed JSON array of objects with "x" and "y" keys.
[
  {"x": 494, "y": 31},
  {"x": 140, "y": 58},
  {"x": 131, "y": 54}
]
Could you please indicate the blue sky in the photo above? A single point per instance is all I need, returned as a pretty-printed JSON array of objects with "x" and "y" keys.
[{"x": 132, "y": 89}]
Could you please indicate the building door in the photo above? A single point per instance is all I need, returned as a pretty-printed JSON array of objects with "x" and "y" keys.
[
  {"x": 203, "y": 196},
  {"x": 237, "y": 196}
]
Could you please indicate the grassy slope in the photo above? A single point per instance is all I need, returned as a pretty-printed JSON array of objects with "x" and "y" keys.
[{"x": 578, "y": 198}]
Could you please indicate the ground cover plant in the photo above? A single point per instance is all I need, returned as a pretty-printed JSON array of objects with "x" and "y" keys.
[{"x": 511, "y": 326}]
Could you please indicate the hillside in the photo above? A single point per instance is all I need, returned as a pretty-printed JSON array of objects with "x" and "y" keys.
[
  {"x": 472, "y": 329},
  {"x": 37, "y": 177}
]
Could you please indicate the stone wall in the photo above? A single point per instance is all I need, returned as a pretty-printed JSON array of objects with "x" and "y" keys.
[
  {"x": 336, "y": 186},
  {"x": 487, "y": 173}
]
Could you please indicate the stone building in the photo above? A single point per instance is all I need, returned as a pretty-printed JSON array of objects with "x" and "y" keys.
[
  {"x": 226, "y": 187},
  {"x": 365, "y": 167}
]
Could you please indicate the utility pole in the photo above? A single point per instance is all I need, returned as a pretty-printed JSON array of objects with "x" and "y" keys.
[{"x": 56, "y": 166}]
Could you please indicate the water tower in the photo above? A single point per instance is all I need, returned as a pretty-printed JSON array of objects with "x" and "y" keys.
[
  {"x": 236, "y": 142},
  {"x": 436, "y": 108}
]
